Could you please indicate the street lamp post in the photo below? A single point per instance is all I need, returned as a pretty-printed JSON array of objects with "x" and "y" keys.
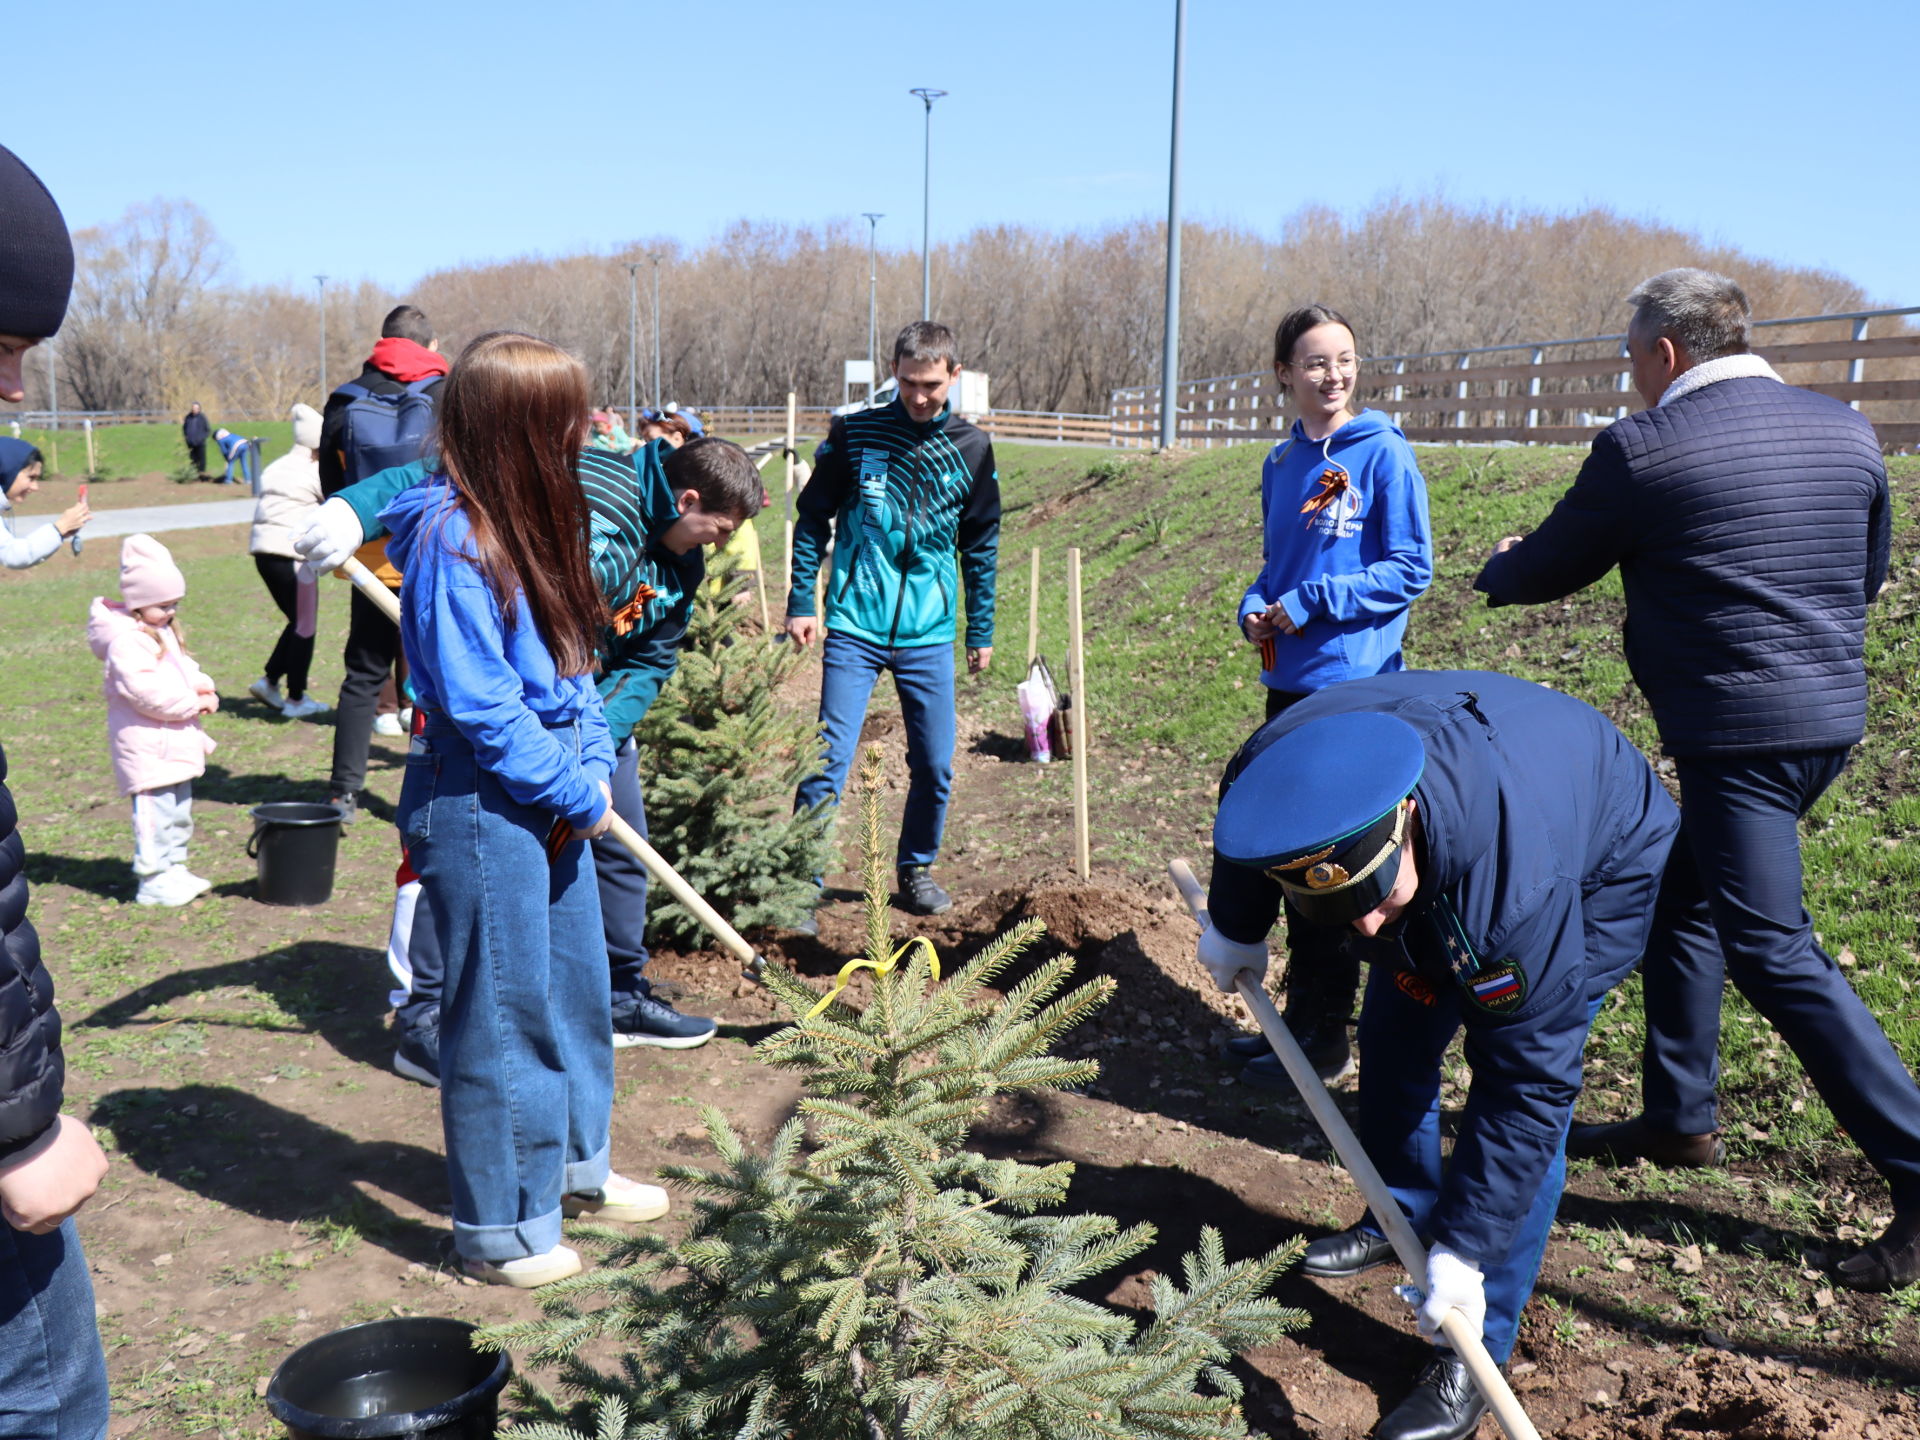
[
  {"x": 633, "y": 345},
  {"x": 656, "y": 258},
  {"x": 927, "y": 97},
  {"x": 873, "y": 219},
  {"x": 1170, "y": 353},
  {"x": 321, "y": 282}
]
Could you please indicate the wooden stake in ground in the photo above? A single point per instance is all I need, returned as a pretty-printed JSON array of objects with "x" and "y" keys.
[
  {"x": 787, "y": 489},
  {"x": 93, "y": 465},
  {"x": 730, "y": 939},
  {"x": 1412, "y": 1254},
  {"x": 1082, "y": 859},
  {"x": 1033, "y": 609}
]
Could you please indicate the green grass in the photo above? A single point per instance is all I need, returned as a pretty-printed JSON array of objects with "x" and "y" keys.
[{"x": 130, "y": 450}]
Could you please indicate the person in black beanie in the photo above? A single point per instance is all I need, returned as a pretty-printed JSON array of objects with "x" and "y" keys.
[{"x": 53, "y": 1374}]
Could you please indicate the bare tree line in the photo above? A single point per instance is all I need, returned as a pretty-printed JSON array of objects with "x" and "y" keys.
[{"x": 1059, "y": 319}]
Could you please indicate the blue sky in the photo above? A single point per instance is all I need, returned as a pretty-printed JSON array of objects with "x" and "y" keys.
[{"x": 438, "y": 134}]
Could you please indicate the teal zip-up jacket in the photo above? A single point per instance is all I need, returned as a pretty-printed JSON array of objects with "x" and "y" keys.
[
  {"x": 631, "y": 507},
  {"x": 914, "y": 513}
]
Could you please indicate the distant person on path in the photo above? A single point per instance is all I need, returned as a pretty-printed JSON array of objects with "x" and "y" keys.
[
  {"x": 652, "y": 516},
  {"x": 375, "y": 422},
  {"x": 289, "y": 490},
  {"x": 509, "y": 771},
  {"x": 1347, "y": 550},
  {"x": 195, "y": 430},
  {"x": 241, "y": 455},
  {"x": 53, "y": 1373},
  {"x": 1493, "y": 848},
  {"x": 20, "y": 470},
  {"x": 155, "y": 698},
  {"x": 1751, "y": 523},
  {"x": 910, "y": 498}
]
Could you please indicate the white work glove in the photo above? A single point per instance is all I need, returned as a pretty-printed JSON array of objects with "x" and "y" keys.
[
  {"x": 329, "y": 540},
  {"x": 1453, "y": 1283},
  {"x": 1224, "y": 959}
]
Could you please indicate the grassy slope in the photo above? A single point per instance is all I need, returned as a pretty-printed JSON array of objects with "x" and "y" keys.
[
  {"x": 126, "y": 450},
  {"x": 1168, "y": 547}
]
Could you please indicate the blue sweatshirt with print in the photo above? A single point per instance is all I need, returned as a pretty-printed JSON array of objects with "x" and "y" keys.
[
  {"x": 1345, "y": 572},
  {"x": 496, "y": 682}
]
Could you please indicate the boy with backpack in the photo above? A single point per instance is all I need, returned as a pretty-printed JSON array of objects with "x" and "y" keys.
[{"x": 374, "y": 422}]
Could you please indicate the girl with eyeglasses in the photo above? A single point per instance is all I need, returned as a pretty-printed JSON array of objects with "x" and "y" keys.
[{"x": 1347, "y": 550}]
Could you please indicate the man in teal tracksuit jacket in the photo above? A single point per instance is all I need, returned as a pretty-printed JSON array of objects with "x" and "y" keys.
[
  {"x": 910, "y": 498},
  {"x": 648, "y": 561}
]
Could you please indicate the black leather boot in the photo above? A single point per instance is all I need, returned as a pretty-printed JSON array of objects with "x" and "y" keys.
[
  {"x": 1444, "y": 1405},
  {"x": 1351, "y": 1252},
  {"x": 1890, "y": 1263}
]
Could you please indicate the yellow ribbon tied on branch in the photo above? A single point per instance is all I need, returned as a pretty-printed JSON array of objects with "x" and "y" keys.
[{"x": 879, "y": 968}]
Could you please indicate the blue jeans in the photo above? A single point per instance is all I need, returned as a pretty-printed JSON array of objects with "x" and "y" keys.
[
  {"x": 526, "y": 1022},
  {"x": 1402, "y": 1042},
  {"x": 622, "y": 884},
  {"x": 923, "y": 678},
  {"x": 1731, "y": 909},
  {"x": 246, "y": 458},
  {"x": 53, "y": 1376}
]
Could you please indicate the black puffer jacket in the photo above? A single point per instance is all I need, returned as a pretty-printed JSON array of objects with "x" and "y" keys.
[
  {"x": 1750, "y": 521},
  {"x": 32, "y": 1071}
]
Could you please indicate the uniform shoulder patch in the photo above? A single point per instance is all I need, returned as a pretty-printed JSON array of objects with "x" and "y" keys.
[{"x": 1498, "y": 988}]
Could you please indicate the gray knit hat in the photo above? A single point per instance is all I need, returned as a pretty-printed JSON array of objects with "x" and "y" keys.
[{"x": 36, "y": 254}]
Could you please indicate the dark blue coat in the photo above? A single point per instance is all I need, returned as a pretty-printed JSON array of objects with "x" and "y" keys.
[
  {"x": 1750, "y": 523},
  {"x": 31, "y": 1068},
  {"x": 1530, "y": 806}
]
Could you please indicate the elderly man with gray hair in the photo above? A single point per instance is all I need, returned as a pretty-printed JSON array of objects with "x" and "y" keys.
[{"x": 1750, "y": 521}]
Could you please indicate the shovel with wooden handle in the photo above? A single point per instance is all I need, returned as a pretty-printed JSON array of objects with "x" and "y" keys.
[
  {"x": 751, "y": 964},
  {"x": 1406, "y": 1245}
]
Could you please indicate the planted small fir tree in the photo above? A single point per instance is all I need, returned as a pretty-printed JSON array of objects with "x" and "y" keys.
[
  {"x": 869, "y": 1277},
  {"x": 721, "y": 758}
]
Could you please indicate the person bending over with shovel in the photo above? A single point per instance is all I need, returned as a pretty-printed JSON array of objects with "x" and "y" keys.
[{"x": 1496, "y": 847}]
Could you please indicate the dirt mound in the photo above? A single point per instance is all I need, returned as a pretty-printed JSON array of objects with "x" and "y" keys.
[{"x": 1716, "y": 1396}]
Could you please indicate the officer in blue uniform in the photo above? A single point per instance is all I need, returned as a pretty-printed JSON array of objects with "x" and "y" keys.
[{"x": 1497, "y": 847}]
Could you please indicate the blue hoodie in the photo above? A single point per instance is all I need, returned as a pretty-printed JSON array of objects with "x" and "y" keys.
[
  {"x": 497, "y": 685},
  {"x": 1346, "y": 574}
]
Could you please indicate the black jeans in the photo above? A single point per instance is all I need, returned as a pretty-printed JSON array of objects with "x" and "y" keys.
[
  {"x": 198, "y": 455},
  {"x": 1323, "y": 974},
  {"x": 373, "y": 642},
  {"x": 293, "y": 652},
  {"x": 1730, "y": 908}
]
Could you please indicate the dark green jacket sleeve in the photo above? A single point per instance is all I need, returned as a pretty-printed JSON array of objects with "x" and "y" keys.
[
  {"x": 978, "y": 536},
  {"x": 376, "y": 492}
]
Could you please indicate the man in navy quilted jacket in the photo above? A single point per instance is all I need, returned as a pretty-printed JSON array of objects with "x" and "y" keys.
[{"x": 1750, "y": 521}]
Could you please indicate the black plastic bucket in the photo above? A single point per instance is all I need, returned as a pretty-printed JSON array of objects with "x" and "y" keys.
[
  {"x": 416, "y": 1376},
  {"x": 295, "y": 844}
]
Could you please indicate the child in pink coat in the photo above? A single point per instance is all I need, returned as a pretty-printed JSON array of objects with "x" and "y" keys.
[{"x": 155, "y": 698}]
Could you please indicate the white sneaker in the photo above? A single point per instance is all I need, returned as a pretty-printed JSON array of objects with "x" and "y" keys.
[
  {"x": 267, "y": 693},
  {"x": 190, "y": 883},
  {"x": 406, "y": 719},
  {"x": 620, "y": 1200},
  {"x": 387, "y": 725},
  {"x": 528, "y": 1271},
  {"x": 166, "y": 888},
  {"x": 305, "y": 706}
]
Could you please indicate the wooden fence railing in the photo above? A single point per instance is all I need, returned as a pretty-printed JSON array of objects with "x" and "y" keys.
[{"x": 1515, "y": 393}]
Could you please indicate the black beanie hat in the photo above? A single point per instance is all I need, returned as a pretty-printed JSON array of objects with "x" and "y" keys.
[{"x": 36, "y": 254}]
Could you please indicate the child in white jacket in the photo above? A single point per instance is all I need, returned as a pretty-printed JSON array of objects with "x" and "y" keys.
[{"x": 155, "y": 698}]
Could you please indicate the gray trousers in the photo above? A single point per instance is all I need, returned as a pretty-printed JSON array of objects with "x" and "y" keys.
[{"x": 162, "y": 826}]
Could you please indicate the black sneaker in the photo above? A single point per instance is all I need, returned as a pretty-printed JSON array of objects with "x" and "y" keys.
[
  {"x": 919, "y": 895},
  {"x": 348, "y": 804},
  {"x": 418, "y": 1056},
  {"x": 645, "y": 1019}
]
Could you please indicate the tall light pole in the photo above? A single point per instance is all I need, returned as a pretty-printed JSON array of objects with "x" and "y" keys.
[
  {"x": 1170, "y": 353},
  {"x": 927, "y": 97},
  {"x": 655, "y": 257},
  {"x": 321, "y": 282},
  {"x": 633, "y": 344},
  {"x": 873, "y": 298}
]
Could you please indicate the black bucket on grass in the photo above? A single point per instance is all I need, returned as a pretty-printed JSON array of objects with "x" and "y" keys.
[
  {"x": 418, "y": 1376},
  {"x": 295, "y": 844}
]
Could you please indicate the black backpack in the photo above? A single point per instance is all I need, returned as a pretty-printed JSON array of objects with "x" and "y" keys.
[{"x": 382, "y": 431}]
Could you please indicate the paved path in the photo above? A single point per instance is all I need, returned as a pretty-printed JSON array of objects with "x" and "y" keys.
[{"x": 148, "y": 519}]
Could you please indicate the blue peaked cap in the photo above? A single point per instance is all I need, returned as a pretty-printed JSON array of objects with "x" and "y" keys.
[{"x": 1320, "y": 807}]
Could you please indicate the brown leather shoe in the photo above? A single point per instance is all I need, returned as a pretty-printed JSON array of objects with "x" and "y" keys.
[
  {"x": 1630, "y": 1140},
  {"x": 1890, "y": 1263}
]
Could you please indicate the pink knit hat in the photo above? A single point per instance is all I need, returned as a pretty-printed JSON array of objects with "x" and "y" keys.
[{"x": 148, "y": 575}]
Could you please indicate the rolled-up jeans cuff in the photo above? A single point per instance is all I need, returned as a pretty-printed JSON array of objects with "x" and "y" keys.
[
  {"x": 500, "y": 1243},
  {"x": 582, "y": 1176}
]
